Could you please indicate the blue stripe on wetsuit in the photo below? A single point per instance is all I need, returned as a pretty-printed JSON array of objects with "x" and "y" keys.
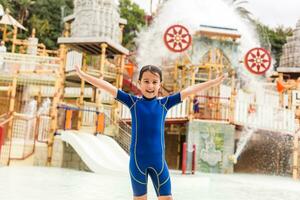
[{"x": 147, "y": 147}]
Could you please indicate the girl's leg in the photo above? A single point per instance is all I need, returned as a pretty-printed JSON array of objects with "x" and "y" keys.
[
  {"x": 165, "y": 198},
  {"x": 138, "y": 181},
  {"x": 144, "y": 197}
]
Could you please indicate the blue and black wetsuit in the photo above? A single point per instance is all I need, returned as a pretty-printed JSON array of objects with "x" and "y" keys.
[{"x": 147, "y": 149}]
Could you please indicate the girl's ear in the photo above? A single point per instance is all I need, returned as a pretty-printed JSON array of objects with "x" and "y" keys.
[
  {"x": 139, "y": 84},
  {"x": 161, "y": 85}
]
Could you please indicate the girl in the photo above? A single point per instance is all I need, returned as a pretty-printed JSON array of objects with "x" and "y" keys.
[{"x": 147, "y": 149}]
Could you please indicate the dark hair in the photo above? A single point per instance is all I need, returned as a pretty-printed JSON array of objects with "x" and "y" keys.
[{"x": 151, "y": 68}]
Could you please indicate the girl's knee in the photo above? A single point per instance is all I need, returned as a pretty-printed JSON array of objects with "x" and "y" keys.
[
  {"x": 165, "y": 198},
  {"x": 144, "y": 197}
]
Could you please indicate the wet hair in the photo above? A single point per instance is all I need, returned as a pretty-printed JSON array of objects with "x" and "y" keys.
[{"x": 151, "y": 68}]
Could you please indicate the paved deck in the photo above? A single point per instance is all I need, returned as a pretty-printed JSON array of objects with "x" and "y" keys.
[{"x": 38, "y": 183}]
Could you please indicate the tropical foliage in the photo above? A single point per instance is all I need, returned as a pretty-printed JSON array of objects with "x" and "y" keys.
[
  {"x": 271, "y": 39},
  {"x": 43, "y": 15},
  {"x": 135, "y": 17},
  {"x": 46, "y": 17}
]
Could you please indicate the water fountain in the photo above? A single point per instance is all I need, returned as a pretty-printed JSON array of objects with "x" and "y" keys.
[{"x": 193, "y": 14}]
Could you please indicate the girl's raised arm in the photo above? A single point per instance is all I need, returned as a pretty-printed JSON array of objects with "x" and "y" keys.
[
  {"x": 194, "y": 89},
  {"x": 98, "y": 82}
]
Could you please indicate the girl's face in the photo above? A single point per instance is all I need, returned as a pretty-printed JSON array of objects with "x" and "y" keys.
[{"x": 150, "y": 84}]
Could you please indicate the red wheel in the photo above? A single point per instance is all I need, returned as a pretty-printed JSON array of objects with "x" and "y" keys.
[
  {"x": 258, "y": 60},
  {"x": 177, "y": 38}
]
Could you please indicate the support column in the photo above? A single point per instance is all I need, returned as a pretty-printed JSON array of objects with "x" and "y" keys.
[
  {"x": 82, "y": 87},
  {"x": 15, "y": 32},
  {"x": 12, "y": 104},
  {"x": 102, "y": 63},
  {"x": 103, "y": 57},
  {"x": 53, "y": 123},
  {"x": 58, "y": 94},
  {"x": 4, "y": 33},
  {"x": 122, "y": 66},
  {"x": 116, "y": 106},
  {"x": 232, "y": 97}
]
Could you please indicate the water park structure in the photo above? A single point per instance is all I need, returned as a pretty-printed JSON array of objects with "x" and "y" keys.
[{"x": 50, "y": 117}]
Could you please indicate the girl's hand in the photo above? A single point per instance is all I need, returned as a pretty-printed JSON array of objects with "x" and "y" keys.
[
  {"x": 219, "y": 79},
  {"x": 81, "y": 73}
]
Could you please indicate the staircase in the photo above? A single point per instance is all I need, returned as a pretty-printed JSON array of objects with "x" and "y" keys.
[{"x": 123, "y": 130}]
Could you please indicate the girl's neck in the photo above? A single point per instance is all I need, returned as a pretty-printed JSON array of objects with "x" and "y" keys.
[{"x": 148, "y": 99}]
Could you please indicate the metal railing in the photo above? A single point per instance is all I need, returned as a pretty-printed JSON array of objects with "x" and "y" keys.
[
  {"x": 4, "y": 140},
  {"x": 245, "y": 113},
  {"x": 123, "y": 136},
  {"x": 265, "y": 117},
  {"x": 211, "y": 108},
  {"x": 16, "y": 61},
  {"x": 26, "y": 130},
  {"x": 43, "y": 128},
  {"x": 23, "y": 136}
]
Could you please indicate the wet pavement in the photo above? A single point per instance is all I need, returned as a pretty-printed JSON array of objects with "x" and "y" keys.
[{"x": 42, "y": 183}]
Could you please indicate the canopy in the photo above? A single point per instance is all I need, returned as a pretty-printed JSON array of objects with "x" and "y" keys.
[{"x": 9, "y": 20}]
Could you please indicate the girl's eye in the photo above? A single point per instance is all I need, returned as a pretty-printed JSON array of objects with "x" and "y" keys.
[
  {"x": 146, "y": 81},
  {"x": 155, "y": 82}
]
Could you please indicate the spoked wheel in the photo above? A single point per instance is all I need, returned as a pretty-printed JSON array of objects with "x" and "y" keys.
[
  {"x": 258, "y": 60},
  {"x": 177, "y": 38}
]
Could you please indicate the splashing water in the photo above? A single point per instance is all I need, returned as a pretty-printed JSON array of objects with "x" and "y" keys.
[
  {"x": 190, "y": 13},
  {"x": 245, "y": 137}
]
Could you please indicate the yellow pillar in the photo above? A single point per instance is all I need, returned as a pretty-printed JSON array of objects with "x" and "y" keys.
[
  {"x": 13, "y": 49},
  {"x": 102, "y": 63},
  {"x": 59, "y": 93},
  {"x": 82, "y": 87},
  {"x": 4, "y": 33},
  {"x": 118, "y": 70},
  {"x": 116, "y": 109},
  {"x": 232, "y": 97},
  {"x": 103, "y": 57},
  {"x": 122, "y": 66},
  {"x": 12, "y": 104},
  {"x": 53, "y": 123}
]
